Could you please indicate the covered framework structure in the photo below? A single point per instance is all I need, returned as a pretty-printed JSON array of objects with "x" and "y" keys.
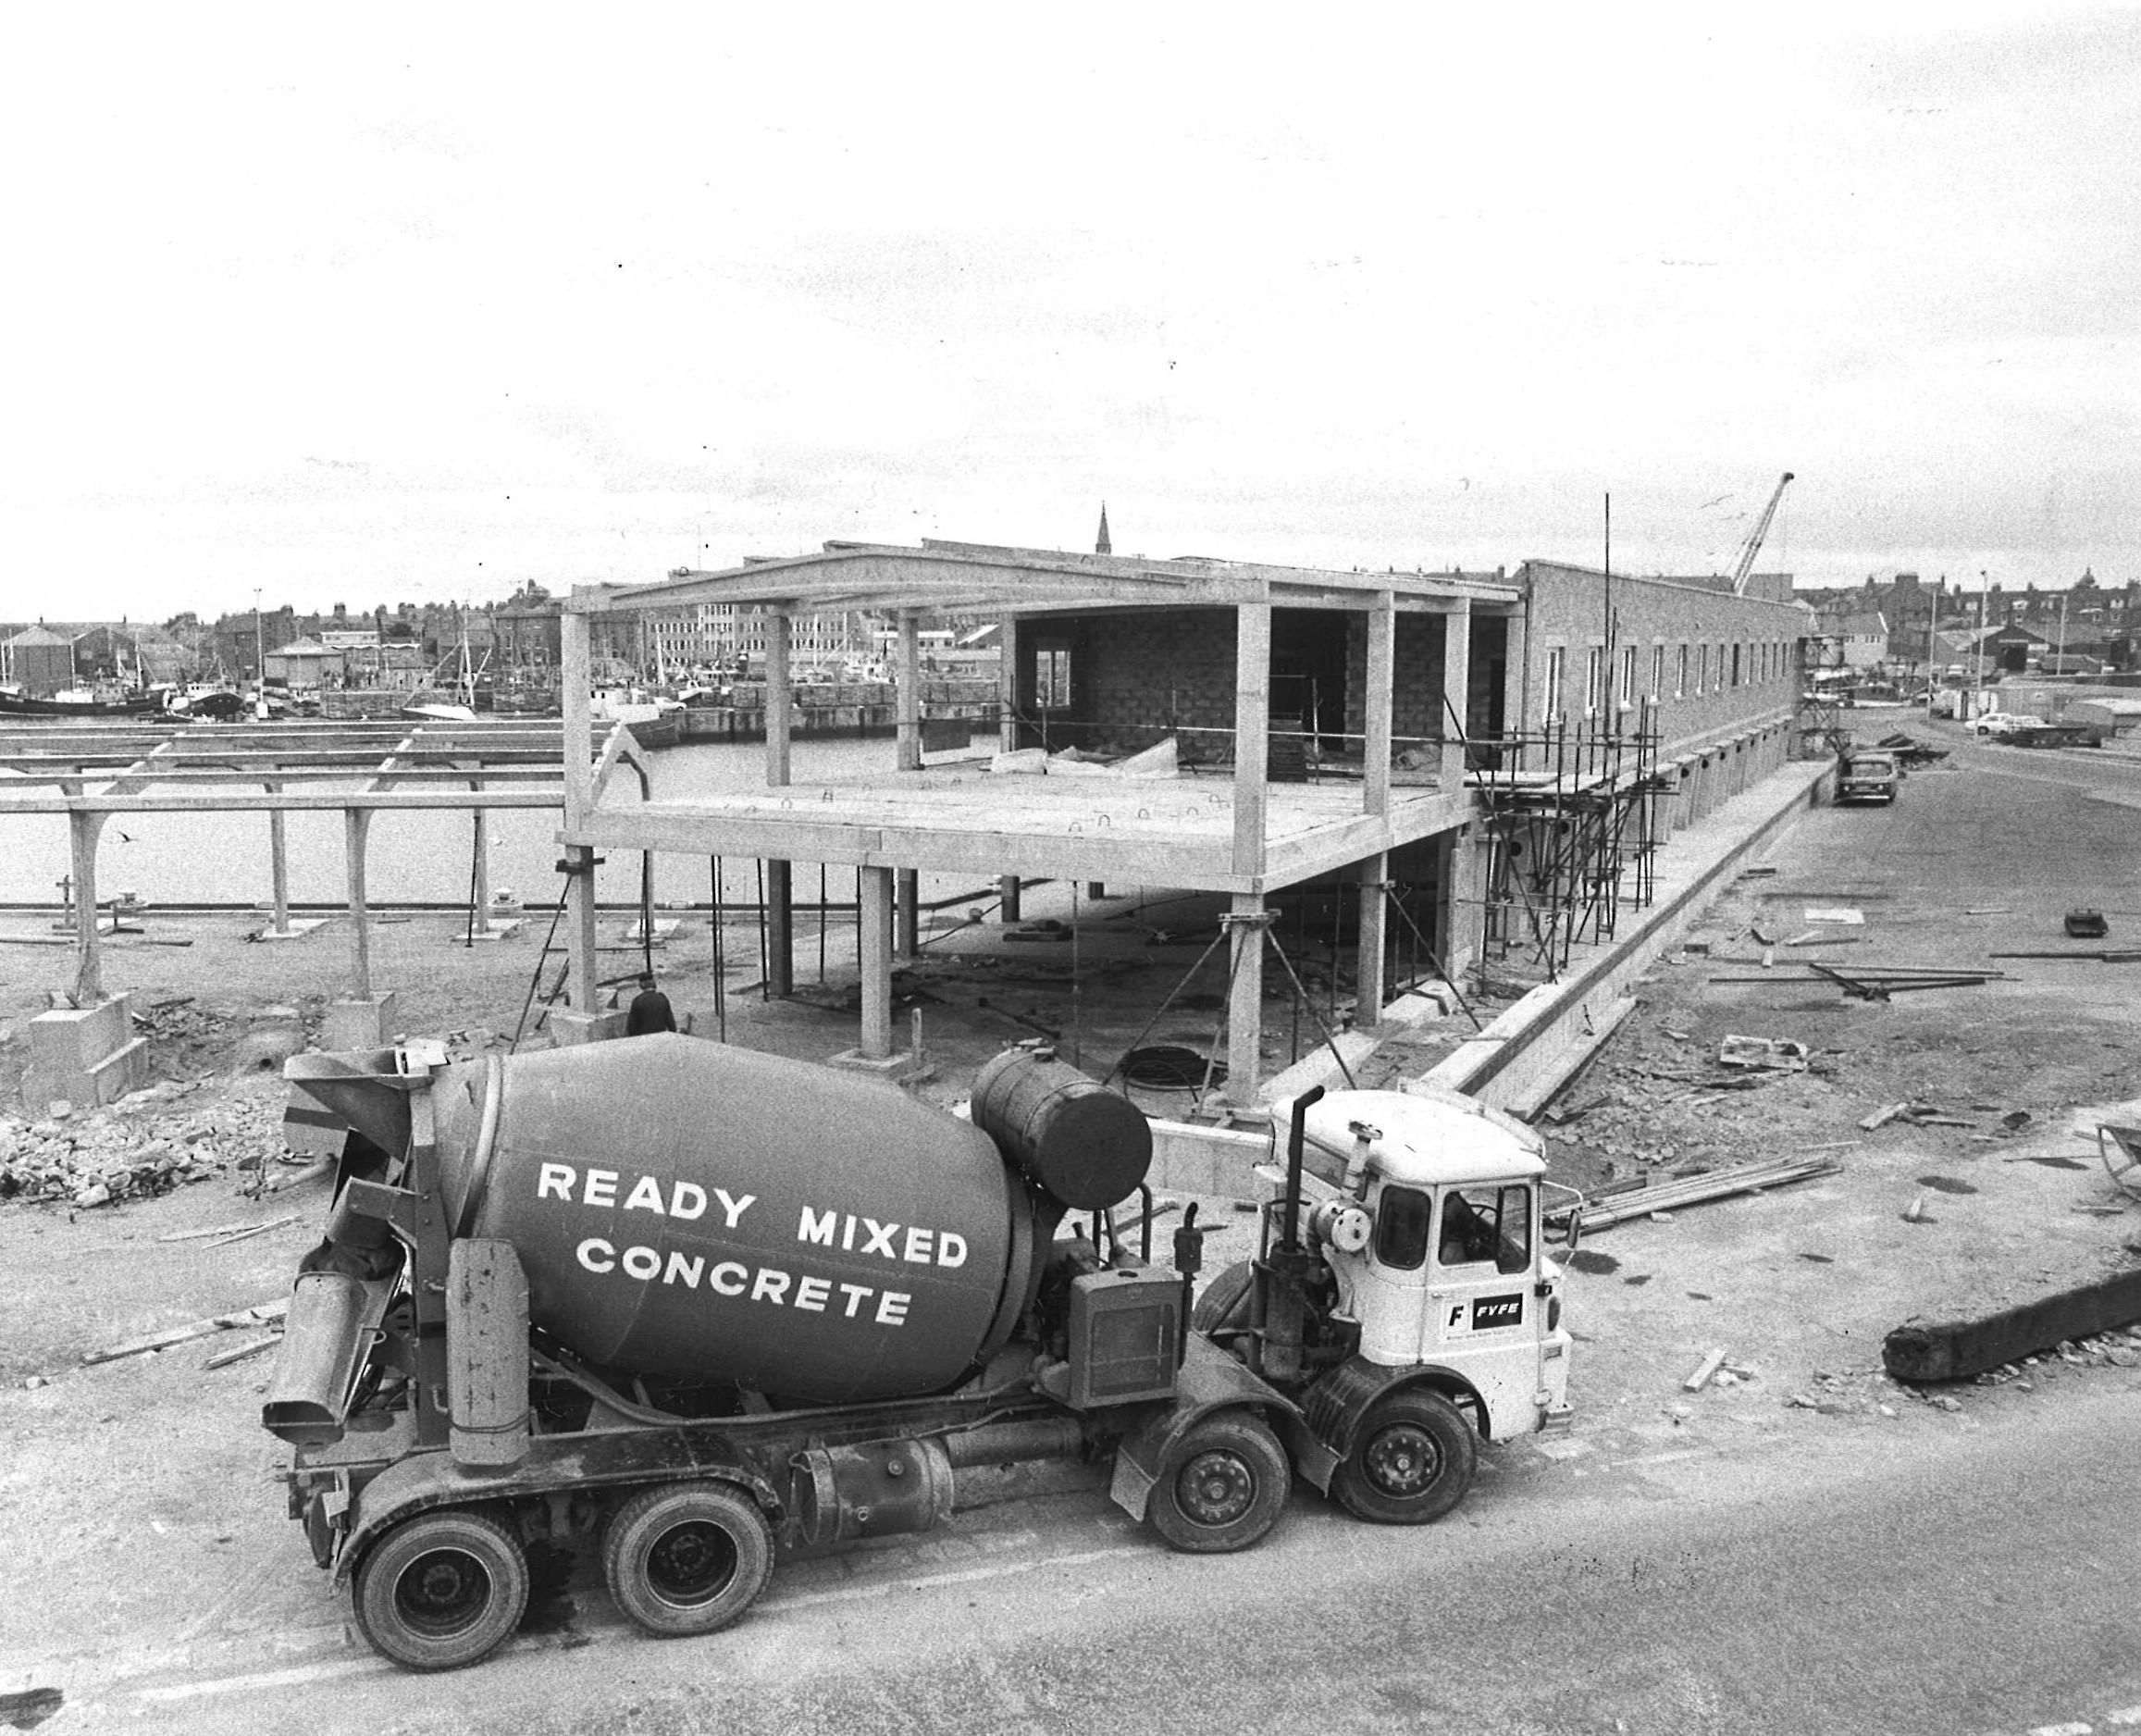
[
  {"x": 1237, "y": 832},
  {"x": 92, "y": 773}
]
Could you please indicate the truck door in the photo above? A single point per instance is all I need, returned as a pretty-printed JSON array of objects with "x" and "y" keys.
[{"x": 1479, "y": 1301}]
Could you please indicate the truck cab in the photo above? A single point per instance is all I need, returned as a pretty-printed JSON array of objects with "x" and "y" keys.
[
  {"x": 1428, "y": 1221},
  {"x": 1401, "y": 1294}
]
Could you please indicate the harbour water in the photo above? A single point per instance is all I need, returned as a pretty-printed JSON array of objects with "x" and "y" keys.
[{"x": 223, "y": 858}]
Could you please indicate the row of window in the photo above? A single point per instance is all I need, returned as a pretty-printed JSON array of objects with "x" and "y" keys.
[{"x": 1694, "y": 670}]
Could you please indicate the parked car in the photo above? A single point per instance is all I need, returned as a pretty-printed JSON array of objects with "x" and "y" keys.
[
  {"x": 1997, "y": 725},
  {"x": 1868, "y": 776}
]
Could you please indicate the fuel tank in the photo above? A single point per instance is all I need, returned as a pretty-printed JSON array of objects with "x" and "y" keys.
[{"x": 685, "y": 1208}]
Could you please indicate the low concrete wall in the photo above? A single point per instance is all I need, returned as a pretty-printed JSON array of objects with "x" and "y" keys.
[
  {"x": 87, "y": 1057},
  {"x": 1508, "y": 1060}
]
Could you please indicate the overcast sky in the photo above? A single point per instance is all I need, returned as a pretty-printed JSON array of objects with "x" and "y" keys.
[{"x": 389, "y": 309}]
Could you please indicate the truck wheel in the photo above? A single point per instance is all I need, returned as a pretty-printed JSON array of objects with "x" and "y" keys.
[
  {"x": 441, "y": 1590},
  {"x": 688, "y": 1557},
  {"x": 1222, "y": 1487},
  {"x": 1411, "y": 1460},
  {"x": 1225, "y": 1296}
]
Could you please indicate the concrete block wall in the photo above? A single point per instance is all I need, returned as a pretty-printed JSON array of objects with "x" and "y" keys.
[
  {"x": 1135, "y": 675},
  {"x": 1416, "y": 677}
]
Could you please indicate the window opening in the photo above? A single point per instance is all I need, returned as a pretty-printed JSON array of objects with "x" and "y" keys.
[
  {"x": 1401, "y": 1229},
  {"x": 1482, "y": 1225}
]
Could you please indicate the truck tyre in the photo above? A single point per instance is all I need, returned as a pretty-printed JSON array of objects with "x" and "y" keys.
[
  {"x": 1226, "y": 1296},
  {"x": 1411, "y": 1460},
  {"x": 687, "y": 1558},
  {"x": 442, "y": 1589},
  {"x": 1222, "y": 1487}
]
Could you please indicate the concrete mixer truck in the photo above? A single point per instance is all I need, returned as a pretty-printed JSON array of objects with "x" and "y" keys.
[{"x": 686, "y": 1304}]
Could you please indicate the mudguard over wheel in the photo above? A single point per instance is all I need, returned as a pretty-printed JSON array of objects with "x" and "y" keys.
[
  {"x": 1222, "y": 1485},
  {"x": 441, "y": 1590},
  {"x": 687, "y": 1558},
  {"x": 1413, "y": 1460}
]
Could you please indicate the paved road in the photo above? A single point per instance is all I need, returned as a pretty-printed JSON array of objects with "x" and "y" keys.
[{"x": 1979, "y": 1580}]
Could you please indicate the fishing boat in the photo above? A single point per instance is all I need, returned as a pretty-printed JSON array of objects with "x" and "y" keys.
[
  {"x": 653, "y": 721},
  {"x": 80, "y": 703}
]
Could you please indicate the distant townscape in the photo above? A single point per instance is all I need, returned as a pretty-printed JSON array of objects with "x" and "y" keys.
[{"x": 495, "y": 656}]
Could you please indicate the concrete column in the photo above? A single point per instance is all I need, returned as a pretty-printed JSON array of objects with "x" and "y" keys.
[
  {"x": 575, "y": 679},
  {"x": 356, "y": 827},
  {"x": 81, "y": 833},
  {"x": 780, "y": 701},
  {"x": 1368, "y": 965},
  {"x": 1381, "y": 677},
  {"x": 780, "y": 914},
  {"x": 1516, "y": 656},
  {"x": 574, "y": 676},
  {"x": 907, "y": 934},
  {"x": 1008, "y": 895},
  {"x": 1463, "y": 892},
  {"x": 874, "y": 942},
  {"x": 1245, "y": 999},
  {"x": 580, "y": 929},
  {"x": 1008, "y": 684},
  {"x": 1252, "y": 735},
  {"x": 909, "y": 693},
  {"x": 1457, "y": 690},
  {"x": 780, "y": 919},
  {"x": 480, "y": 922},
  {"x": 279, "y": 863}
]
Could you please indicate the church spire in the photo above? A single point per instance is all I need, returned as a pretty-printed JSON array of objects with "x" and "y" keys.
[{"x": 1101, "y": 545}]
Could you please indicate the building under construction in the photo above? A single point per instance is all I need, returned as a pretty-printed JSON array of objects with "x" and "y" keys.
[{"x": 1437, "y": 769}]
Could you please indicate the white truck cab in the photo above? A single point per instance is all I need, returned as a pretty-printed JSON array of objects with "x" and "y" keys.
[{"x": 1427, "y": 1213}]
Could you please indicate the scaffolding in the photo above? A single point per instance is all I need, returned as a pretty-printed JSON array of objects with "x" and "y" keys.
[{"x": 1573, "y": 822}]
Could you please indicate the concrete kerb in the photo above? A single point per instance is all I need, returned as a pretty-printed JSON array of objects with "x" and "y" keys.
[{"x": 1511, "y": 1057}]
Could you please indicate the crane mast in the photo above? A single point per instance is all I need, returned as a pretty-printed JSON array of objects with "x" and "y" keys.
[{"x": 1753, "y": 546}]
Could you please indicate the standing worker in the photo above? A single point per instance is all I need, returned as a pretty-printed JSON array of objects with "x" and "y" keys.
[{"x": 650, "y": 1010}]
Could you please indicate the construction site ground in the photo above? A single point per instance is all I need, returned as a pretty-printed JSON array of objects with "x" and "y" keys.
[{"x": 138, "y": 1497}]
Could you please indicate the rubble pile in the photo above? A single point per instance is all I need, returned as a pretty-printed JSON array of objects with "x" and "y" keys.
[{"x": 146, "y": 1145}]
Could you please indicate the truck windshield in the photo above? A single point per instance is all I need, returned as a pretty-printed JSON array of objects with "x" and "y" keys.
[{"x": 1401, "y": 1229}]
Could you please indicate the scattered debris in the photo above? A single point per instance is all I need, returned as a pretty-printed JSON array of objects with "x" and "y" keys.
[
  {"x": 1780, "y": 1054},
  {"x": 1835, "y": 914},
  {"x": 238, "y": 1353},
  {"x": 259, "y": 1315},
  {"x": 1598, "y": 1213},
  {"x": 1710, "y": 1364},
  {"x": 2087, "y": 924},
  {"x": 1915, "y": 1212}
]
